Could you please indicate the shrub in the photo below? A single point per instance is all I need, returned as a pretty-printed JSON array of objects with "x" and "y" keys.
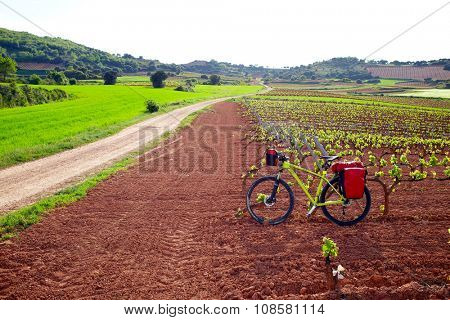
[
  {"x": 158, "y": 79},
  {"x": 79, "y": 75},
  {"x": 214, "y": 79},
  {"x": 35, "y": 79},
  {"x": 58, "y": 77},
  {"x": 191, "y": 82},
  {"x": 72, "y": 81},
  {"x": 183, "y": 88},
  {"x": 152, "y": 106},
  {"x": 188, "y": 86},
  {"x": 21, "y": 96},
  {"x": 110, "y": 77},
  {"x": 204, "y": 76}
]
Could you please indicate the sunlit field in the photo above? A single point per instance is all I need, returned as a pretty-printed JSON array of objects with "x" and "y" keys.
[{"x": 28, "y": 133}]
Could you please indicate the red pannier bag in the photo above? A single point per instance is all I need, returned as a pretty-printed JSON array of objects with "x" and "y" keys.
[
  {"x": 340, "y": 166},
  {"x": 352, "y": 181},
  {"x": 352, "y": 178}
]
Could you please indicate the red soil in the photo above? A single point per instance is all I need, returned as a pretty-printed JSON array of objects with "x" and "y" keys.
[{"x": 169, "y": 232}]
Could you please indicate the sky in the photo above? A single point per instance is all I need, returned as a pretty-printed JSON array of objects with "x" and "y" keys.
[{"x": 266, "y": 33}]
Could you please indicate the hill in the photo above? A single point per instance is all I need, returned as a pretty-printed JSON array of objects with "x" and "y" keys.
[
  {"x": 39, "y": 55},
  {"x": 225, "y": 68},
  {"x": 33, "y": 53}
]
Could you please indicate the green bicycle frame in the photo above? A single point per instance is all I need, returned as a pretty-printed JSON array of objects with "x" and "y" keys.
[{"x": 291, "y": 168}]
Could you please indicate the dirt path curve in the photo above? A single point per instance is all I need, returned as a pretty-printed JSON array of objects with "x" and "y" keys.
[
  {"x": 139, "y": 234},
  {"x": 24, "y": 184}
]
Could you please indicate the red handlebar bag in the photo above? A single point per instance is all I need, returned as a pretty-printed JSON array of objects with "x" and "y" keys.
[
  {"x": 352, "y": 182},
  {"x": 271, "y": 157}
]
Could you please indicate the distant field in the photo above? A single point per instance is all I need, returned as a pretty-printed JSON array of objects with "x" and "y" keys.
[
  {"x": 349, "y": 100},
  {"x": 145, "y": 80},
  {"x": 432, "y": 93},
  {"x": 332, "y": 85},
  {"x": 410, "y": 72},
  {"x": 318, "y": 86},
  {"x": 126, "y": 79},
  {"x": 36, "y": 131},
  {"x": 326, "y": 95},
  {"x": 388, "y": 82}
]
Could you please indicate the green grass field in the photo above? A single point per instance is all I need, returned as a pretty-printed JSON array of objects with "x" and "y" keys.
[
  {"x": 127, "y": 79},
  {"x": 432, "y": 93},
  {"x": 388, "y": 82},
  {"x": 28, "y": 133}
]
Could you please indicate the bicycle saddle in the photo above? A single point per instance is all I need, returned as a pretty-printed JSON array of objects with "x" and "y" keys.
[{"x": 329, "y": 158}]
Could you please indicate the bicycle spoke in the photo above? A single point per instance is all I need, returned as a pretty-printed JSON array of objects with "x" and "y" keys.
[
  {"x": 348, "y": 211},
  {"x": 359, "y": 205},
  {"x": 263, "y": 206}
]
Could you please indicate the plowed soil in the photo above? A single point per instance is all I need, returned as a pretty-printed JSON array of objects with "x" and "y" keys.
[{"x": 166, "y": 229}]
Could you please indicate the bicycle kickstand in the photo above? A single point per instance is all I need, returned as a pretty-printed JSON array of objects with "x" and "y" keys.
[{"x": 311, "y": 211}]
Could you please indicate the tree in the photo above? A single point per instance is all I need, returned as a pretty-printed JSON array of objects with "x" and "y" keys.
[
  {"x": 58, "y": 77},
  {"x": 35, "y": 79},
  {"x": 110, "y": 77},
  {"x": 77, "y": 74},
  {"x": 214, "y": 79},
  {"x": 158, "y": 79},
  {"x": 7, "y": 66},
  {"x": 188, "y": 86},
  {"x": 204, "y": 76},
  {"x": 152, "y": 66}
]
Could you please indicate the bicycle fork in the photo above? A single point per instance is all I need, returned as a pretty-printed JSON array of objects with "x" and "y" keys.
[{"x": 273, "y": 195}]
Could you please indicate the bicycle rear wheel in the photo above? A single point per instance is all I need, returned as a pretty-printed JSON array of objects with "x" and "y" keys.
[
  {"x": 348, "y": 214},
  {"x": 264, "y": 209}
]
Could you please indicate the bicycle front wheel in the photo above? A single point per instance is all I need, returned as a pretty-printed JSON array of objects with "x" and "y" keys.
[
  {"x": 349, "y": 213},
  {"x": 262, "y": 207}
]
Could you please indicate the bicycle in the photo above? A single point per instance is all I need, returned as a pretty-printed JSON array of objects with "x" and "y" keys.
[{"x": 275, "y": 198}]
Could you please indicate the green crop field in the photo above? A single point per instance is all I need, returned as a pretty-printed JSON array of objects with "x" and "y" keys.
[
  {"x": 28, "y": 133},
  {"x": 126, "y": 79},
  {"x": 432, "y": 93},
  {"x": 388, "y": 82}
]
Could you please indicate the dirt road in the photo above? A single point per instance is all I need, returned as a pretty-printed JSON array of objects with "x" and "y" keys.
[
  {"x": 166, "y": 229},
  {"x": 23, "y": 184}
]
